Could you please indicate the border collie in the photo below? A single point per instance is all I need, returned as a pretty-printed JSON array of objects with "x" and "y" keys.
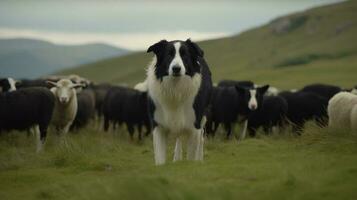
[{"x": 179, "y": 86}]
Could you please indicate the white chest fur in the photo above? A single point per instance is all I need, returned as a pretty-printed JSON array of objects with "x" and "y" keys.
[{"x": 173, "y": 98}]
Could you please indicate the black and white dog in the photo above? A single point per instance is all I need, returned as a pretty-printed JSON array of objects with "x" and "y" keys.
[{"x": 179, "y": 86}]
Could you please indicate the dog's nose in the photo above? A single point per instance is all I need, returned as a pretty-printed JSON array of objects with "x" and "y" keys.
[
  {"x": 176, "y": 69},
  {"x": 253, "y": 107}
]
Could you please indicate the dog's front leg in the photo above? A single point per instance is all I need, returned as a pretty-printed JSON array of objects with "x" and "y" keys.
[
  {"x": 195, "y": 145},
  {"x": 160, "y": 143},
  {"x": 178, "y": 149}
]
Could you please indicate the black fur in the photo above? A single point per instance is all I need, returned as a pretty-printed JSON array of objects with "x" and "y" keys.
[
  {"x": 24, "y": 108},
  {"x": 229, "y": 83},
  {"x": 86, "y": 108},
  {"x": 228, "y": 103},
  {"x": 304, "y": 106},
  {"x": 271, "y": 113},
  {"x": 4, "y": 85},
  {"x": 129, "y": 106},
  {"x": 327, "y": 91},
  {"x": 100, "y": 91},
  {"x": 26, "y": 83}
]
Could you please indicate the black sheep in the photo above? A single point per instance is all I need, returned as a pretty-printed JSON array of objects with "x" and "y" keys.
[
  {"x": 327, "y": 91},
  {"x": 100, "y": 91},
  {"x": 129, "y": 106},
  {"x": 271, "y": 114},
  {"x": 304, "y": 106},
  {"x": 85, "y": 110},
  {"x": 229, "y": 103},
  {"x": 26, "y": 83},
  {"x": 26, "y": 108}
]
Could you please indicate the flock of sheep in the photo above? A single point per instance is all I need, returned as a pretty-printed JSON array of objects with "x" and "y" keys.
[{"x": 65, "y": 103}]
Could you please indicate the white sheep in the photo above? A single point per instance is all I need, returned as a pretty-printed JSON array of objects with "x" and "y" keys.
[
  {"x": 354, "y": 118},
  {"x": 342, "y": 110},
  {"x": 65, "y": 105}
]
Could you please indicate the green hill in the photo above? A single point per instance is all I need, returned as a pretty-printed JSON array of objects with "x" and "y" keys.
[{"x": 318, "y": 45}]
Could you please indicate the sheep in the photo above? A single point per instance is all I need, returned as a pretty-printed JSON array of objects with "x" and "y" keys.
[
  {"x": 342, "y": 110},
  {"x": 129, "y": 106},
  {"x": 26, "y": 83},
  {"x": 231, "y": 103},
  {"x": 354, "y": 90},
  {"x": 325, "y": 90},
  {"x": 354, "y": 118},
  {"x": 65, "y": 105},
  {"x": 26, "y": 108},
  {"x": 73, "y": 77},
  {"x": 100, "y": 91},
  {"x": 86, "y": 108},
  {"x": 271, "y": 114},
  {"x": 304, "y": 106}
]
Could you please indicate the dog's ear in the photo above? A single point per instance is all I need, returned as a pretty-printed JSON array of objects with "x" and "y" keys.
[
  {"x": 195, "y": 48},
  {"x": 157, "y": 47}
]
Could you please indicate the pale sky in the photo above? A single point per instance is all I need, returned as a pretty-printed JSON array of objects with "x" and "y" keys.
[{"x": 137, "y": 24}]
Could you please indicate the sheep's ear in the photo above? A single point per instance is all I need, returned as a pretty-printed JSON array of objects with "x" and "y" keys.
[
  {"x": 195, "y": 48},
  {"x": 157, "y": 47},
  {"x": 263, "y": 89},
  {"x": 77, "y": 85},
  {"x": 51, "y": 83}
]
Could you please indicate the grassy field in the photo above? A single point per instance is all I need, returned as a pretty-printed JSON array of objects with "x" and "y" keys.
[{"x": 321, "y": 164}]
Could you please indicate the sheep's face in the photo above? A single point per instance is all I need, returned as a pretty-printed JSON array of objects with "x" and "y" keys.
[
  {"x": 252, "y": 97},
  {"x": 65, "y": 90},
  {"x": 65, "y": 94}
]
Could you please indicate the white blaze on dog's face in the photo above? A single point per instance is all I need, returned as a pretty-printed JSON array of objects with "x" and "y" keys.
[
  {"x": 176, "y": 58},
  {"x": 176, "y": 67}
]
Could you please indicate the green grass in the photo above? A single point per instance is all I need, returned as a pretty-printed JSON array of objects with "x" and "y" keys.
[{"x": 321, "y": 164}]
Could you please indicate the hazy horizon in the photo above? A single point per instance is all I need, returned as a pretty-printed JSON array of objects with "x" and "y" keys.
[{"x": 136, "y": 24}]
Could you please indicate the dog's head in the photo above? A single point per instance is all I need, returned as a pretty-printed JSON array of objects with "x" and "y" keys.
[{"x": 176, "y": 58}]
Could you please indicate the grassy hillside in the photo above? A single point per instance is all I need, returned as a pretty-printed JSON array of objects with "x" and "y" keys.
[
  {"x": 28, "y": 58},
  {"x": 318, "y": 45}
]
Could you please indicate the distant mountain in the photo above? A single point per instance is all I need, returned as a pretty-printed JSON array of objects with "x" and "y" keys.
[{"x": 28, "y": 58}]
